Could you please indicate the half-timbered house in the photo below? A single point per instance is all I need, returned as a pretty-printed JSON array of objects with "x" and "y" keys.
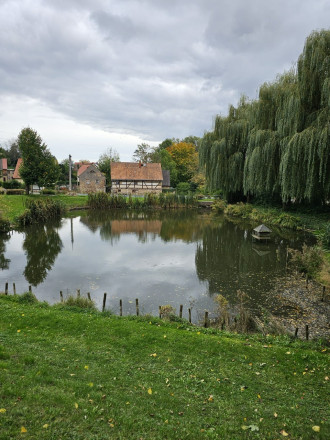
[{"x": 136, "y": 178}]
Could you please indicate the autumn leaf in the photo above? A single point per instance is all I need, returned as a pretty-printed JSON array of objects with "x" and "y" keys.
[
  {"x": 284, "y": 433},
  {"x": 86, "y": 367},
  {"x": 149, "y": 391},
  {"x": 316, "y": 428},
  {"x": 153, "y": 355},
  {"x": 45, "y": 426},
  {"x": 23, "y": 429},
  {"x": 2, "y": 410},
  {"x": 76, "y": 405}
]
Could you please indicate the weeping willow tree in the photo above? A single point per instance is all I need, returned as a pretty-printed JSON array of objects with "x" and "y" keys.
[
  {"x": 305, "y": 163},
  {"x": 278, "y": 146},
  {"x": 223, "y": 151}
]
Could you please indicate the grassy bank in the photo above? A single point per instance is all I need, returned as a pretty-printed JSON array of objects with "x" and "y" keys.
[
  {"x": 12, "y": 206},
  {"x": 78, "y": 374}
]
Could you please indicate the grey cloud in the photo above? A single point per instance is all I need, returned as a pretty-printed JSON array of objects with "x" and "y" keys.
[{"x": 150, "y": 68}]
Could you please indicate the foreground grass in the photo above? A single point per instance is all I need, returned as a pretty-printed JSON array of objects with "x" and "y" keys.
[
  {"x": 11, "y": 206},
  {"x": 70, "y": 374}
]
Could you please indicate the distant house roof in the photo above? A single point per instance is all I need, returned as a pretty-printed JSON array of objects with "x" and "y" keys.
[
  {"x": 3, "y": 164},
  {"x": 136, "y": 171},
  {"x": 262, "y": 228},
  {"x": 82, "y": 169},
  {"x": 16, "y": 174},
  {"x": 166, "y": 178}
]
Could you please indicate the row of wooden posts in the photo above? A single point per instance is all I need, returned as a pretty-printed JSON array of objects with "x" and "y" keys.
[{"x": 206, "y": 314}]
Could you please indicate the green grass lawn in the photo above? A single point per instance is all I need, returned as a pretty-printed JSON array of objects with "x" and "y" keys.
[
  {"x": 12, "y": 206},
  {"x": 70, "y": 374}
]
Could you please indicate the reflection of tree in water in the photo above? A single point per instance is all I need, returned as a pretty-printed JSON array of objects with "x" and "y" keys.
[
  {"x": 42, "y": 245},
  {"x": 4, "y": 262},
  {"x": 228, "y": 260}
]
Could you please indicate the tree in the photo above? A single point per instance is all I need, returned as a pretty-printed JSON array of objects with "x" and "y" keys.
[
  {"x": 38, "y": 165},
  {"x": 163, "y": 157},
  {"x": 185, "y": 157},
  {"x": 142, "y": 153},
  {"x": 110, "y": 155}
]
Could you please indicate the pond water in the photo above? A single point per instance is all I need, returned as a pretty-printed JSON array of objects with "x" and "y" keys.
[{"x": 162, "y": 257}]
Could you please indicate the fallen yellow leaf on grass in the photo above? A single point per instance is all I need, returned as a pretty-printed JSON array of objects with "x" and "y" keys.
[
  {"x": 76, "y": 405},
  {"x": 284, "y": 433},
  {"x": 316, "y": 428},
  {"x": 111, "y": 425},
  {"x": 23, "y": 429},
  {"x": 153, "y": 355},
  {"x": 149, "y": 391},
  {"x": 45, "y": 426},
  {"x": 2, "y": 410},
  {"x": 18, "y": 331},
  {"x": 86, "y": 367}
]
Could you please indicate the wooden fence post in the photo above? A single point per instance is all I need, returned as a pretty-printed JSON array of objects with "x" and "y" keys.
[
  {"x": 206, "y": 319},
  {"x": 160, "y": 311},
  {"x": 61, "y": 295},
  {"x": 137, "y": 307},
  {"x": 30, "y": 289},
  {"x": 323, "y": 293},
  {"x": 181, "y": 308},
  {"x": 189, "y": 311},
  {"x": 120, "y": 307},
  {"x": 296, "y": 333},
  {"x": 14, "y": 288},
  {"x": 307, "y": 332},
  {"x": 89, "y": 296},
  {"x": 6, "y": 289},
  {"x": 104, "y": 300},
  {"x": 78, "y": 293}
]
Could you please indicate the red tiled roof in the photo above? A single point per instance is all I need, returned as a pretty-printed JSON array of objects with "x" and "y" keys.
[
  {"x": 82, "y": 169},
  {"x": 16, "y": 174},
  {"x": 3, "y": 164},
  {"x": 136, "y": 171}
]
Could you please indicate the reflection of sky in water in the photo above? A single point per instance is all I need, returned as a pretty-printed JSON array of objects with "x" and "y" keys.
[{"x": 138, "y": 264}]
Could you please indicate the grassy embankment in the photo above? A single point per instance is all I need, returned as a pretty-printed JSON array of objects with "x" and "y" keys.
[
  {"x": 12, "y": 206},
  {"x": 80, "y": 374}
]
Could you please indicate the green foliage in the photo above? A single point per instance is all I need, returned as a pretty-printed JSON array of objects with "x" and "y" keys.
[
  {"x": 277, "y": 147},
  {"x": 308, "y": 261},
  {"x": 15, "y": 192},
  {"x": 12, "y": 184},
  {"x": 80, "y": 302},
  {"x": 27, "y": 298},
  {"x": 165, "y": 200},
  {"x": 239, "y": 210},
  {"x": 39, "y": 166},
  {"x": 104, "y": 162},
  {"x": 183, "y": 188},
  {"x": 41, "y": 210},
  {"x": 4, "y": 225},
  {"x": 219, "y": 206},
  {"x": 326, "y": 237}
]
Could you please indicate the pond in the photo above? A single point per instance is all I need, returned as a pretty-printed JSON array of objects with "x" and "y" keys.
[{"x": 160, "y": 257}]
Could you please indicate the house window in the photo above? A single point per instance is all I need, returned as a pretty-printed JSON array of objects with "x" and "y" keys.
[
  {"x": 88, "y": 182},
  {"x": 96, "y": 181}
]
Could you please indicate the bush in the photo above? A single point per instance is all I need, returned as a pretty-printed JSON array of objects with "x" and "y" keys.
[
  {"x": 27, "y": 298},
  {"x": 239, "y": 210},
  {"x": 48, "y": 191},
  {"x": 82, "y": 303},
  {"x": 183, "y": 188},
  {"x": 12, "y": 184},
  {"x": 219, "y": 206},
  {"x": 308, "y": 261},
  {"x": 15, "y": 192},
  {"x": 41, "y": 210},
  {"x": 4, "y": 225},
  {"x": 326, "y": 237}
]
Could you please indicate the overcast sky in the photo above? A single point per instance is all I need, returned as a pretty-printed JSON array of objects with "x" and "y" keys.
[{"x": 92, "y": 74}]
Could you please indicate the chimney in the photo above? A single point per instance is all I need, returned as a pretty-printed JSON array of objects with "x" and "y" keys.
[{"x": 140, "y": 164}]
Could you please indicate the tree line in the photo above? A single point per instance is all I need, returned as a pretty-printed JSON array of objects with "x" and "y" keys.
[{"x": 277, "y": 148}]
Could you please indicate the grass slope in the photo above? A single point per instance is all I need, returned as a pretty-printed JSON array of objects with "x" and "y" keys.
[
  {"x": 70, "y": 374},
  {"x": 11, "y": 206}
]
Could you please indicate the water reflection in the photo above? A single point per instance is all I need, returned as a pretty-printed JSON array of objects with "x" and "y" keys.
[
  {"x": 4, "y": 262},
  {"x": 42, "y": 244},
  {"x": 162, "y": 257}
]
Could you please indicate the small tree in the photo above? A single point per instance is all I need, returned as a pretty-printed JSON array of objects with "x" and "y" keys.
[
  {"x": 38, "y": 166},
  {"x": 104, "y": 162}
]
